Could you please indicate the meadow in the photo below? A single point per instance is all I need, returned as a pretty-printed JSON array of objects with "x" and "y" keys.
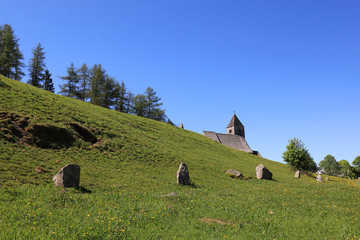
[{"x": 133, "y": 164}]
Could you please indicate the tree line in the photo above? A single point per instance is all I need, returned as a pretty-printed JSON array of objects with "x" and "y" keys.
[
  {"x": 90, "y": 84},
  {"x": 297, "y": 156}
]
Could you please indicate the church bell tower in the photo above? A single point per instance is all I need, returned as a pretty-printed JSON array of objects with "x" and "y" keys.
[{"x": 235, "y": 127}]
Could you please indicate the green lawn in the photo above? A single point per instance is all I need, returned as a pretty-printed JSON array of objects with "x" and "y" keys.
[{"x": 134, "y": 162}]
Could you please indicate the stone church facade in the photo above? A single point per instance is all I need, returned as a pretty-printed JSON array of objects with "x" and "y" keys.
[{"x": 234, "y": 137}]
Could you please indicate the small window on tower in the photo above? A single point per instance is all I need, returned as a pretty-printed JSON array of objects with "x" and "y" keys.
[{"x": 229, "y": 130}]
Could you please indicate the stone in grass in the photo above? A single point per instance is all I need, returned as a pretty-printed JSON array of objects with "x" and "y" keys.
[
  {"x": 172, "y": 194},
  {"x": 181, "y": 126},
  {"x": 183, "y": 176},
  {"x": 327, "y": 179},
  {"x": 319, "y": 178},
  {"x": 297, "y": 174},
  {"x": 68, "y": 176},
  {"x": 263, "y": 173},
  {"x": 233, "y": 173}
]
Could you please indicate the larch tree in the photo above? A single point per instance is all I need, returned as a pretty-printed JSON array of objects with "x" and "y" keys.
[
  {"x": 84, "y": 78},
  {"x": 10, "y": 55},
  {"x": 153, "y": 105},
  {"x": 121, "y": 99},
  {"x": 111, "y": 91},
  {"x": 97, "y": 82},
  {"x": 70, "y": 88},
  {"x": 37, "y": 67},
  {"x": 48, "y": 82},
  {"x": 139, "y": 105}
]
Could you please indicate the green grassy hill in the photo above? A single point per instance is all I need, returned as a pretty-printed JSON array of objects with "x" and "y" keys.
[{"x": 127, "y": 162}]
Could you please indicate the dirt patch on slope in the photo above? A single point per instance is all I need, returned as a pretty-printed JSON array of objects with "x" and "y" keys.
[{"x": 18, "y": 129}]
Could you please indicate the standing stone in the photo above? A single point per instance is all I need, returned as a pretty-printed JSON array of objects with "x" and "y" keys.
[
  {"x": 263, "y": 173},
  {"x": 319, "y": 178},
  {"x": 359, "y": 178},
  {"x": 68, "y": 176},
  {"x": 327, "y": 179},
  {"x": 183, "y": 175},
  {"x": 181, "y": 126},
  {"x": 297, "y": 174}
]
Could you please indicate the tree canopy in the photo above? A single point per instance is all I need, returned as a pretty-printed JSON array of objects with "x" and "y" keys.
[
  {"x": 330, "y": 165},
  {"x": 297, "y": 156},
  {"x": 10, "y": 55}
]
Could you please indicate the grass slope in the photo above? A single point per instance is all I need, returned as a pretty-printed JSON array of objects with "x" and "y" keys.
[{"x": 133, "y": 163}]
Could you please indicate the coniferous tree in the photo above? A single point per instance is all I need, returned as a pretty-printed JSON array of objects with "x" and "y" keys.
[
  {"x": 37, "y": 66},
  {"x": 10, "y": 55},
  {"x": 111, "y": 92},
  {"x": 139, "y": 105},
  {"x": 48, "y": 82},
  {"x": 70, "y": 88},
  {"x": 97, "y": 82},
  {"x": 121, "y": 99},
  {"x": 153, "y": 104},
  {"x": 129, "y": 103},
  {"x": 84, "y": 78}
]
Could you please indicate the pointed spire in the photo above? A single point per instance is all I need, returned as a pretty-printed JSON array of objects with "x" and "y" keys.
[{"x": 235, "y": 122}]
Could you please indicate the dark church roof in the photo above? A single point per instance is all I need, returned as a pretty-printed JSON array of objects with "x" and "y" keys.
[
  {"x": 231, "y": 140},
  {"x": 235, "y": 122}
]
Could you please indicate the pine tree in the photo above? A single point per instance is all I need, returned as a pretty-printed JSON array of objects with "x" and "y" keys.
[
  {"x": 37, "y": 66},
  {"x": 10, "y": 55},
  {"x": 121, "y": 99},
  {"x": 84, "y": 78},
  {"x": 139, "y": 105},
  {"x": 70, "y": 88},
  {"x": 153, "y": 104},
  {"x": 111, "y": 92},
  {"x": 48, "y": 82},
  {"x": 129, "y": 103},
  {"x": 97, "y": 82}
]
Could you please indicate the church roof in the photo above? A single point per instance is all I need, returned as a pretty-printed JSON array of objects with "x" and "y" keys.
[{"x": 234, "y": 122}]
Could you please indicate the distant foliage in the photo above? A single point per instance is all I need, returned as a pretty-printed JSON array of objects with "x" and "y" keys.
[
  {"x": 37, "y": 67},
  {"x": 297, "y": 156},
  {"x": 10, "y": 55},
  {"x": 356, "y": 163},
  {"x": 330, "y": 165}
]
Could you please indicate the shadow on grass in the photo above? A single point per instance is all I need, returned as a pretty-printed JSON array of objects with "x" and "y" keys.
[{"x": 83, "y": 190}]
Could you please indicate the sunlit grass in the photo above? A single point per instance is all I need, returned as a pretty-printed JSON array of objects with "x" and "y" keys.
[{"x": 123, "y": 177}]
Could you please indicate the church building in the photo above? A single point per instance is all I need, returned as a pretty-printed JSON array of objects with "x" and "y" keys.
[{"x": 234, "y": 137}]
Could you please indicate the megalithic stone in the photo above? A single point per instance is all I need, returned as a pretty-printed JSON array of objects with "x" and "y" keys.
[
  {"x": 183, "y": 176},
  {"x": 68, "y": 176}
]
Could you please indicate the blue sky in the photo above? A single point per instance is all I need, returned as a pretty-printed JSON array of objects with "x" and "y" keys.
[{"x": 288, "y": 68}]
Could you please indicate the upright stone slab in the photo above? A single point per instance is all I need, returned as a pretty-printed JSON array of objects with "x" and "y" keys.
[
  {"x": 263, "y": 173},
  {"x": 183, "y": 176},
  {"x": 297, "y": 174},
  {"x": 181, "y": 126},
  {"x": 319, "y": 178},
  {"x": 68, "y": 176}
]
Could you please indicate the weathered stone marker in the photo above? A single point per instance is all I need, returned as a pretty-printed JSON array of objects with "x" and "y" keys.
[
  {"x": 68, "y": 176},
  {"x": 234, "y": 174},
  {"x": 297, "y": 174},
  {"x": 181, "y": 126},
  {"x": 183, "y": 176},
  {"x": 319, "y": 178},
  {"x": 262, "y": 172},
  {"x": 327, "y": 179}
]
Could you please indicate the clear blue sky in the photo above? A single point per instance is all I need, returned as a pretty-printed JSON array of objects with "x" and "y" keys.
[{"x": 288, "y": 68}]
